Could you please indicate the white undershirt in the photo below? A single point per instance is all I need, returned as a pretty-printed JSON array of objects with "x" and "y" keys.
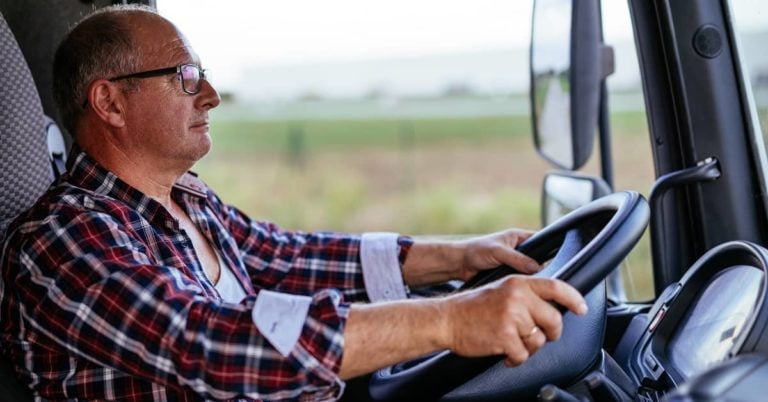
[{"x": 230, "y": 289}]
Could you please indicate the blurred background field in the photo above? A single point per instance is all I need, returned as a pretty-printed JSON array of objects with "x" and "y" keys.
[
  {"x": 430, "y": 175},
  {"x": 427, "y": 175}
]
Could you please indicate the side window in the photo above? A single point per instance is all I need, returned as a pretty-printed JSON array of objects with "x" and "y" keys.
[
  {"x": 632, "y": 157},
  {"x": 395, "y": 116},
  {"x": 751, "y": 28},
  {"x": 357, "y": 116}
]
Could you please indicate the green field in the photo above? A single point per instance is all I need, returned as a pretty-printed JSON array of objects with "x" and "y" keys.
[{"x": 428, "y": 176}]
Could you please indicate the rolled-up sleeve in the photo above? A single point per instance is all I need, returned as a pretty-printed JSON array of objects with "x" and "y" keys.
[{"x": 382, "y": 273}]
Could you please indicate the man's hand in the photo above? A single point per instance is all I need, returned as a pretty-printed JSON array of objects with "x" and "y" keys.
[
  {"x": 512, "y": 317},
  {"x": 431, "y": 262},
  {"x": 493, "y": 250}
]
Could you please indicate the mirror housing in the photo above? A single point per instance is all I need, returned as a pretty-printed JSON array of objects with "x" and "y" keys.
[{"x": 568, "y": 63}]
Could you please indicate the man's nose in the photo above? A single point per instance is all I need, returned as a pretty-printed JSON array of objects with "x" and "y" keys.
[{"x": 208, "y": 98}]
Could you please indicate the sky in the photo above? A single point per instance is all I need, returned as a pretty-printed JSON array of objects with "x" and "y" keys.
[
  {"x": 297, "y": 31},
  {"x": 235, "y": 36}
]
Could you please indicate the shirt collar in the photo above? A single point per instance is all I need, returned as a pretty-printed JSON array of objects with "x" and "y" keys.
[{"x": 86, "y": 173}]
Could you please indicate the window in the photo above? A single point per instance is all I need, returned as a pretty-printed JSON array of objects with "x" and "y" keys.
[
  {"x": 355, "y": 116},
  {"x": 402, "y": 116},
  {"x": 751, "y": 29}
]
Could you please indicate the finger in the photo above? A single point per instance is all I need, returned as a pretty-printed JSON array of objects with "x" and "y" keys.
[
  {"x": 516, "y": 352},
  {"x": 546, "y": 317},
  {"x": 518, "y": 260},
  {"x": 559, "y": 292},
  {"x": 519, "y": 235},
  {"x": 534, "y": 340}
]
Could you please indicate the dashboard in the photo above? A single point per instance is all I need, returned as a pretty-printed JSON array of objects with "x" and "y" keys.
[
  {"x": 715, "y": 312},
  {"x": 708, "y": 334}
]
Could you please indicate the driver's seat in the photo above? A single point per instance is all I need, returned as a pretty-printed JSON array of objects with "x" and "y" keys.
[{"x": 25, "y": 172}]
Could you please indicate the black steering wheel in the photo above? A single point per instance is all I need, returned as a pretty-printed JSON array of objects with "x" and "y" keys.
[{"x": 584, "y": 247}]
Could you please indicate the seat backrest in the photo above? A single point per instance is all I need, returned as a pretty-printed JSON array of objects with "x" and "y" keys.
[{"x": 25, "y": 169}]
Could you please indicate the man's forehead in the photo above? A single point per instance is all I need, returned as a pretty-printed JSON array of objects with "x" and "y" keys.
[{"x": 159, "y": 39}]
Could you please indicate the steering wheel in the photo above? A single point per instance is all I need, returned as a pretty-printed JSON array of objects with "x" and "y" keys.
[{"x": 584, "y": 246}]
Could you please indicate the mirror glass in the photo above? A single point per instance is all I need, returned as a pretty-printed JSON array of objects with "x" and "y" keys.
[
  {"x": 563, "y": 194},
  {"x": 550, "y": 75}
]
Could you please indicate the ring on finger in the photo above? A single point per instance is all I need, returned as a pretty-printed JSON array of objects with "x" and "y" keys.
[{"x": 530, "y": 334}]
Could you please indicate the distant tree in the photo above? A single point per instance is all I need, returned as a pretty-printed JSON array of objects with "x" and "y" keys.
[
  {"x": 310, "y": 96},
  {"x": 376, "y": 92},
  {"x": 457, "y": 89},
  {"x": 762, "y": 79},
  {"x": 227, "y": 97}
]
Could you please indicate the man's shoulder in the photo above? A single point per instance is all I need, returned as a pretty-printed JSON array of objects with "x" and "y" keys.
[{"x": 65, "y": 203}]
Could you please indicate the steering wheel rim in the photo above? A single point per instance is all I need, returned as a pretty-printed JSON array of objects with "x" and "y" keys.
[{"x": 621, "y": 219}]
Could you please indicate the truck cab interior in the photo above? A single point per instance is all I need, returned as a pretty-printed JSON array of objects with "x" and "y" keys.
[{"x": 703, "y": 336}]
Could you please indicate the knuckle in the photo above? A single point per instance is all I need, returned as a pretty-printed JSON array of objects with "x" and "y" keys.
[
  {"x": 550, "y": 286},
  {"x": 551, "y": 323},
  {"x": 508, "y": 332},
  {"x": 552, "y": 317},
  {"x": 512, "y": 281},
  {"x": 513, "y": 286}
]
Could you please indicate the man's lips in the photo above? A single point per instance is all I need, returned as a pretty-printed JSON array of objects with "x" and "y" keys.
[{"x": 199, "y": 124}]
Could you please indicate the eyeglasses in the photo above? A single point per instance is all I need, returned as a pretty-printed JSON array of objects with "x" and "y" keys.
[{"x": 192, "y": 76}]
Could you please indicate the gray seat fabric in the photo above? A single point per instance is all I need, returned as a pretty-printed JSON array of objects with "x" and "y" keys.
[{"x": 25, "y": 170}]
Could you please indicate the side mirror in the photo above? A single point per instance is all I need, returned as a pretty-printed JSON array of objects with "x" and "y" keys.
[
  {"x": 565, "y": 191},
  {"x": 568, "y": 63}
]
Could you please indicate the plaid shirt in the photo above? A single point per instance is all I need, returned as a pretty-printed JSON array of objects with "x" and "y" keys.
[{"x": 104, "y": 298}]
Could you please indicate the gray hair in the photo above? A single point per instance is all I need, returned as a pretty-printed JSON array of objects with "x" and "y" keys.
[{"x": 101, "y": 45}]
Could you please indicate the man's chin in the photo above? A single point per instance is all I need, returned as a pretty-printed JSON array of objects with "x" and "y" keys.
[{"x": 203, "y": 149}]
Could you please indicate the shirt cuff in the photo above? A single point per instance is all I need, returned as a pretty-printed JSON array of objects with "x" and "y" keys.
[
  {"x": 280, "y": 318},
  {"x": 382, "y": 275}
]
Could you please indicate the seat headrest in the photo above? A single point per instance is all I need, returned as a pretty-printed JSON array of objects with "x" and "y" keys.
[{"x": 25, "y": 171}]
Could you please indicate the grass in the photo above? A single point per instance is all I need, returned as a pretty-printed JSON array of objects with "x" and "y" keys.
[
  {"x": 319, "y": 135},
  {"x": 417, "y": 176}
]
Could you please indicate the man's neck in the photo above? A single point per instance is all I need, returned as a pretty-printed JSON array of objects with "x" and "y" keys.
[{"x": 142, "y": 172}]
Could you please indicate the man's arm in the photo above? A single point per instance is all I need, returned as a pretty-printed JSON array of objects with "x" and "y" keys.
[
  {"x": 294, "y": 262},
  {"x": 103, "y": 299},
  {"x": 497, "y": 319},
  {"x": 432, "y": 262}
]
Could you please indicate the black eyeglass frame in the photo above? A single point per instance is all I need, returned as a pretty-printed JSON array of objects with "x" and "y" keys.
[{"x": 169, "y": 70}]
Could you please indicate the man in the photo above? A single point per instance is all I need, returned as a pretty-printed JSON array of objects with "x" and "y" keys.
[{"x": 131, "y": 280}]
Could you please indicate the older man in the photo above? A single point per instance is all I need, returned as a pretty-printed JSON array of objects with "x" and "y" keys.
[{"x": 132, "y": 280}]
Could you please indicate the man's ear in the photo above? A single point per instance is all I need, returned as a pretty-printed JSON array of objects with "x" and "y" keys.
[{"x": 108, "y": 102}]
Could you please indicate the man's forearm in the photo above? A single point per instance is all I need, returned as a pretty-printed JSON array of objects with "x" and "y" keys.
[
  {"x": 496, "y": 319},
  {"x": 432, "y": 262},
  {"x": 379, "y": 335}
]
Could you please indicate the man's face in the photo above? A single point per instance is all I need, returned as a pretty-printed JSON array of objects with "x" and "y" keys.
[{"x": 164, "y": 122}]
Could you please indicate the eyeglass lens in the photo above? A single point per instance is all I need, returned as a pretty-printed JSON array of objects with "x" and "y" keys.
[{"x": 190, "y": 78}]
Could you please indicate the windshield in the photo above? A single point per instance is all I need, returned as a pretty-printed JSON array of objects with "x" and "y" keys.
[
  {"x": 401, "y": 116},
  {"x": 750, "y": 22}
]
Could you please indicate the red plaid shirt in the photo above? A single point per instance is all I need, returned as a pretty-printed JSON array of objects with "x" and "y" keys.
[{"x": 104, "y": 298}]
